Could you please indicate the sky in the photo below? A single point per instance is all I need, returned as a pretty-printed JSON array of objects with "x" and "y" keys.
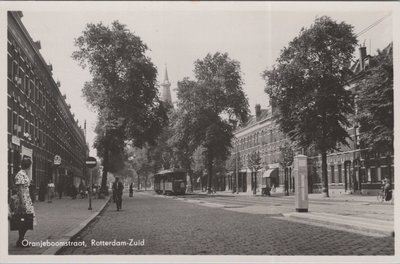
[{"x": 179, "y": 33}]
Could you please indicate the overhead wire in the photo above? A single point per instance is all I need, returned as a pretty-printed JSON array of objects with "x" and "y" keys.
[{"x": 373, "y": 25}]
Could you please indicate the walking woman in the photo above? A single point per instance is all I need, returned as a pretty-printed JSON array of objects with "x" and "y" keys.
[{"x": 23, "y": 204}]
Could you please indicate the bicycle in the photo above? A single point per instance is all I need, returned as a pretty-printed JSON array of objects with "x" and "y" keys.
[{"x": 381, "y": 197}]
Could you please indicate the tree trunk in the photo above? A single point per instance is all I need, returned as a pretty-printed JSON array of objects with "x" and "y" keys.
[
  {"x": 103, "y": 187},
  {"x": 286, "y": 181},
  {"x": 191, "y": 181},
  {"x": 325, "y": 189},
  {"x": 209, "y": 172},
  {"x": 255, "y": 183},
  {"x": 389, "y": 164}
]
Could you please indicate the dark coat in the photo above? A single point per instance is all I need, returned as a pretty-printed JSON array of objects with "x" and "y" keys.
[{"x": 117, "y": 188}]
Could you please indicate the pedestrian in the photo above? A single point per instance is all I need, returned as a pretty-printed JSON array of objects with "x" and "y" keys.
[
  {"x": 268, "y": 190},
  {"x": 387, "y": 189},
  {"x": 59, "y": 190},
  {"x": 50, "y": 191},
  {"x": 131, "y": 190},
  {"x": 82, "y": 190},
  {"x": 117, "y": 190},
  {"x": 22, "y": 215},
  {"x": 42, "y": 191},
  {"x": 74, "y": 191}
]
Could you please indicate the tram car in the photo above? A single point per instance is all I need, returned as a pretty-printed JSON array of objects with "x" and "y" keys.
[{"x": 170, "y": 182}]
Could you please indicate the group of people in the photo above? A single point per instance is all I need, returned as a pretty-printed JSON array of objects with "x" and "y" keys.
[{"x": 21, "y": 211}]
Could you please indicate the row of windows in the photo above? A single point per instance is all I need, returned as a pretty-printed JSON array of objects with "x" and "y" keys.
[
  {"x": 23, "y": 123},
  {"x": 261, "y": 137},
  {"x": 22, "y": 77},
  {"x": 265, "y": 159},
  {"x": 371, "y": 174}
]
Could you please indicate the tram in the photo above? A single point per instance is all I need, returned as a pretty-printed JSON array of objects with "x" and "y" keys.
[{"x": 170, "y": 182}]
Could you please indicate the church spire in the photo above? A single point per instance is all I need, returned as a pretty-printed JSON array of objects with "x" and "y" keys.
[
  {"x": 166, "y": 75},
  {"x": 166, "y": 92}
]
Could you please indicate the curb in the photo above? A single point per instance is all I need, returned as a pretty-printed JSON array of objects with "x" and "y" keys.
[
  {"x": 72, "y": 233},
  {"x": 373, "y": 226}
]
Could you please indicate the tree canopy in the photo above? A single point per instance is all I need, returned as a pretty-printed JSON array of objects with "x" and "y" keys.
[
  {"x": 123, "y": 90},
  {"x": 307, "y": 85},
  {"x": 212, "y": 106},
  {"x": 375, "y": 103},
  {"x": 124, "y": 80}
]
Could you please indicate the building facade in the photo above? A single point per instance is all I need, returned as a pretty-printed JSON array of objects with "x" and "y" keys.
[
  {"x": 40, "y": 123},
  {"x": 259, "y": 135},
  {"x": 350, "y": 170}
]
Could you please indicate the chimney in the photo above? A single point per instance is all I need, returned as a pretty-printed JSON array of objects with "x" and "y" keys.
[
  {"x": 363, "y": 54},
  {"x": 258, "y": 111}
]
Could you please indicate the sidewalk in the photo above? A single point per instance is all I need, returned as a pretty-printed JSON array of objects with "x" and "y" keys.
[
  {"x": 311, "y": 196},
  {"x": 56, "y": 221}
]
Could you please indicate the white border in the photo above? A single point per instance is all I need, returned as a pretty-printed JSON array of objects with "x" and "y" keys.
[{"x": 184, "y": 6}]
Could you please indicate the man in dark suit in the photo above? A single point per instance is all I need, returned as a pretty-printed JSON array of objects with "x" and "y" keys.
[{"x": 117, "y": 190}]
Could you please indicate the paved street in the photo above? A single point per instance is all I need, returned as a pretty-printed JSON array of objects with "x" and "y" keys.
[
  {"x": 169, "y": 225},
  {"x": 349, "y": 205}
]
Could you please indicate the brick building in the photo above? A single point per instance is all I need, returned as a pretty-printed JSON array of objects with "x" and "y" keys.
[
  {"x": 40, "y": 123},
  {"x": 350, "y": 170}
]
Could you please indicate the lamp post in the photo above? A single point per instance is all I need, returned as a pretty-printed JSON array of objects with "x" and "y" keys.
[{"x": 237, "y": 167}]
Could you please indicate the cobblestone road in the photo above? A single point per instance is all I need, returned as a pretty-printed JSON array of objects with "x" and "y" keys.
[{"x": 174, "y": 227}]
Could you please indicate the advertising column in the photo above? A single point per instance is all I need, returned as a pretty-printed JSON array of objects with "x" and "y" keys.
[{"x": 301, "y": 184}]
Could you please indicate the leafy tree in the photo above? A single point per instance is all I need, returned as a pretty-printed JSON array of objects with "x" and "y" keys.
[
  {"x": 307, "y": 87},
  {"x": 123, "y": 87},
  {"x": 286, "y": 160},
  {"x": 212, "y": 105},
  {"x": 254, "y": 164},
  {"x": 375, "y": 105},
  {"x": 110, "y": 147},
  {"x": 182, "y": 149}
]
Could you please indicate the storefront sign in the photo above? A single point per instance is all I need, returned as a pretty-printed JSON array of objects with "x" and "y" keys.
[
  {"x": 57, "y": 160},
  {"x": 16, "y": 140},
  {"x": 26, "y": 152}
]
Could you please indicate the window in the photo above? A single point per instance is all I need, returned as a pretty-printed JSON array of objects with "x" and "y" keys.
[
  {"x": 14, "y": 69},
  {"x": 20, "y": 125},
  {"x": 15, "y": 123},
  {"x": 26, "y": 129},
  {"x": 373, "y": 174},
  {"x": 9, "y": 121},
  {"x": 25, "y": 84},
  {"x": 340, "y": 173},
  {"x": 9, "y": 66},
  {"x": 332, "y": 174}
]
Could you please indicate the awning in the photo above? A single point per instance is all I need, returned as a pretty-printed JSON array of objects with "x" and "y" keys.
[{"x": 270, "y": 173}]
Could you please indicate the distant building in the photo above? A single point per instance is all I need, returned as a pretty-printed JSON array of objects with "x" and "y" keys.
[
  {"x": 40, "y": 123},
  {"x": 166, "y": 91},
  {"x": 350, "y": 170},
  {"x": 260, "y": 134}
]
